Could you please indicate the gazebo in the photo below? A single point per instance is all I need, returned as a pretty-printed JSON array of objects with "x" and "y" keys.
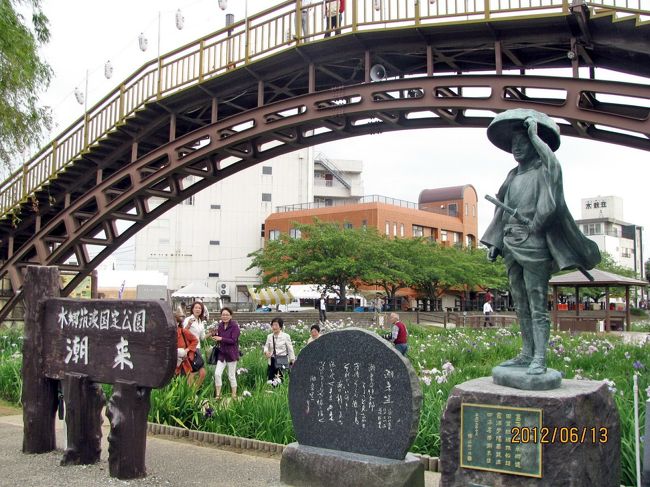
[{"x": 604, "y": 279}]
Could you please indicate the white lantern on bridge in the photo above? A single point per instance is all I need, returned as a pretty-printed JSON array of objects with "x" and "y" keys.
[
  {"x": 108, "y": 69},
  {"x": 143, "y": 42},
  {"x": 377, "y": 5},
  {"x": 223, "y": 4},
  {"x": 180, "y": 20}
]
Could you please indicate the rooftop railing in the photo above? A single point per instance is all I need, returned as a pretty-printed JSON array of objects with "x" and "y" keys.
[{"x": 259, "y": 36}]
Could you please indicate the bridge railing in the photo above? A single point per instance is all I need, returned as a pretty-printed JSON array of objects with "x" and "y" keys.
[{"x": 261, "y": 35}]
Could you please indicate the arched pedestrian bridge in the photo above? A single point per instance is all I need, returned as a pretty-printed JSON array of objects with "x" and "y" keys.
[{"x": 276, "y": 83}]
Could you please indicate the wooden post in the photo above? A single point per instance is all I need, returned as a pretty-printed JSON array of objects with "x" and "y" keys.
[
  {"x": 84, "y": 401},
  {"x": 39, "y": 395},
  {"x": 608, "y": 326},
  {"x": 627, "y": 326},
  {"x": 555, "y": 318},
  {"x": 127, "y": 411}
]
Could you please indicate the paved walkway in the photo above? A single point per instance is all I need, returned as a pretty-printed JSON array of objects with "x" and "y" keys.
[{"x": 169, "y": 463}]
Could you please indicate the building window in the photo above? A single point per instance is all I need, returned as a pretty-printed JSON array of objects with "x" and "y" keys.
[
  {"x": 466, "y": 209},
  {"x": 329, "y": 202},
  {"x": 213, "y": 274},
  {"x": 274, "y": 234},
  {"x": 443, "y": 235},
  {"x": 395, "y": 229},
  {"x": 387, "y": 228},
  {"x": 456, "y": 237},
  {"x": 401, "y": 229},
  {"x": 418, "y": 231},
  {"x": 266, "y": 196},
  {"x": 347, "y": 225},
  {"x": 473, "y": 210},
  {"x": 262, "y": 232},
  {"x": 215, "y": 207},
  {"x": 585, "y": 229},
  {"x": 453, "y": 209},
  {"x": 214, "y": 242},
  {"x": 267, "y": 170},
  {"x": 295, "y": 233}
]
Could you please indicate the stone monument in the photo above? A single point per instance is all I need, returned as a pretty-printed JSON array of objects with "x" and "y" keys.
[
  {"x": 525, "y": 426},
  {"x": 355, "y": 405}
]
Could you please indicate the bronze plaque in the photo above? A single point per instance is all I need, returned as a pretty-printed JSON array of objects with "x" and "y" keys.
[
  {"x": 132, "y": 341},
  {"x": 491, "y": 440}
]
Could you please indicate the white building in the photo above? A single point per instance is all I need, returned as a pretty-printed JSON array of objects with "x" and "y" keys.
[
  {"x": 208, "y": 237},
  {"x": 602, "y": 221}
]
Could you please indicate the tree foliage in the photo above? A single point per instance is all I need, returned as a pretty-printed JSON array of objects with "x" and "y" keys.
[
  {"x": 326, "y": 255},
  {"x": 22, "y": 77},
  {"x": 337, "y": 258}
]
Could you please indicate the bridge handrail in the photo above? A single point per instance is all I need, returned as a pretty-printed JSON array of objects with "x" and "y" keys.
[{"x": 238, "y": 45}]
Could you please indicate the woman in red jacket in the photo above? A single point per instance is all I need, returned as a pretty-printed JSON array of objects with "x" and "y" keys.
[{"x": 186, "y": 343}]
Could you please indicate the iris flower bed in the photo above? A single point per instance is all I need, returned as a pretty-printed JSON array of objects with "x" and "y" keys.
[{"x": 441, "y": 358}]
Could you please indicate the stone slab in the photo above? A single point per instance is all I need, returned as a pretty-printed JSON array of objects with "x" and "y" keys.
[
  {"x": 310, "y": 466},
  {"x": 575, "y": 406},
  {"x": 351, "y": 390},
  {"x": 516, "y": 377}
]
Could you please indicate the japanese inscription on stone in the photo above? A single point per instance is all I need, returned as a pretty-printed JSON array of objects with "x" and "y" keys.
[
  {"x": 488, "y": 443},
  {"x": 351, "y": 391},
  {"x": 110, "y": 340}
]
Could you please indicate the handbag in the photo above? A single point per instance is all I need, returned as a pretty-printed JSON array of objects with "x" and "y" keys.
[
  {"x": 213, "y": 358},
  {"x": 281, "y": 361}
]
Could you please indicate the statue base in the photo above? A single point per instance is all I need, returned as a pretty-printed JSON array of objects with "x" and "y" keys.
[
  {"x": 517, "y": 378},
  {"x": 566, "y": 436},
  {"x": 310, "y": 466}
]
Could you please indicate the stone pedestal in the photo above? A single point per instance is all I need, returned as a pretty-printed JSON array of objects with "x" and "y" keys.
[
  {"x": 310, "y": 466},
  {"x": 580, "y": 435}
]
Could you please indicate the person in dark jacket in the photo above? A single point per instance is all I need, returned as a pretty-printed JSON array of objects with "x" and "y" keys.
[{"x": 227, "y": 335}]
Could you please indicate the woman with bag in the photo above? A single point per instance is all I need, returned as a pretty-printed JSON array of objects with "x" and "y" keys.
[
  {"x": 186, "y": 347},
  {"x": 195, "y": 324},
  {"x": 279, "y": 351},
  {"x": 227, "y": 337}
]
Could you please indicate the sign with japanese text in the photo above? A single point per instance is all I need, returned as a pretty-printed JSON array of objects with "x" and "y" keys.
[
  {"x": 132, "y": 341},
  {"x": 489, "y": 439}
]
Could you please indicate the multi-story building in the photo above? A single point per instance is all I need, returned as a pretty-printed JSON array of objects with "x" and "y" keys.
[
  {"x": 602, "y": 221},
  {"x": 207, "y": 238},
  {"x": 445, "y": 215}
]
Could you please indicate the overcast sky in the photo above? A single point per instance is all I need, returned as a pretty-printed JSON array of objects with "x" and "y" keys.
[{"x": 87, "y": 33}]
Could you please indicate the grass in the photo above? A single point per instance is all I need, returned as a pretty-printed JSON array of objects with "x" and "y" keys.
[{"x": 441, "y": 358}]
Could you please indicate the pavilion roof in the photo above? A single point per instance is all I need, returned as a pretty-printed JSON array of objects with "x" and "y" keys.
[{"x": 601, "y": 279}]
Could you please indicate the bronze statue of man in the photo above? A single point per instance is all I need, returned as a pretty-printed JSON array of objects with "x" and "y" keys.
[{"x": 532, "y": 228}]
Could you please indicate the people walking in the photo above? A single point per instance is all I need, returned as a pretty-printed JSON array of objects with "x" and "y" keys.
[
  {"x": 195, "y": 324},
  {"x": 487, "y": 311},
  {"x": 322, "y": 308},
  {"x": 227, "y": 336}
]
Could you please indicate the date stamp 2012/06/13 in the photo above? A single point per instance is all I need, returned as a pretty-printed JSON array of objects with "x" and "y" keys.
[{"x": 559, "y": 434}]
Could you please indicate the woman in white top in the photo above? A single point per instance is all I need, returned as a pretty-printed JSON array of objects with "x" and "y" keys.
[
  {"x": 278, "y": 349},
  {"x": 195, "y": 324}
]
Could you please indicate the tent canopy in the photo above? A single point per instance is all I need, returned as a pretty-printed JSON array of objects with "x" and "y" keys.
[
  {"x": 269, "y": 295},
  {"x": 195, "y": 290}
]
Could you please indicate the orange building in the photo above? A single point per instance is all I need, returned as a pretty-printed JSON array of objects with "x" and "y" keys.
[{"x": 446, "y": 215}]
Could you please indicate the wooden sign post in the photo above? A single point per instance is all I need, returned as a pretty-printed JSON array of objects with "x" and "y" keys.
[{"x": 130, "y": 344}]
